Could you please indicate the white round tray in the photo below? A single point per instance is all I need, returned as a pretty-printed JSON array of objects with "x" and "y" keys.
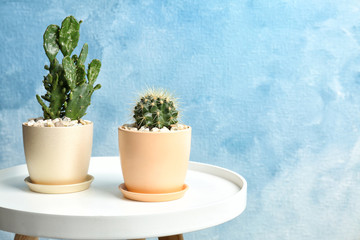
[{"x": 215, "y": 195}]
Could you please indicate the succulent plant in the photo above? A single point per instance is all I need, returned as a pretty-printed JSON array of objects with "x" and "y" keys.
[
  {"x": 156, "y": 108},
  {"x": 68, "y": 91}
]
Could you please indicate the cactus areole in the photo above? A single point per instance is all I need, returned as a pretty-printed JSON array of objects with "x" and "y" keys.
[
  {"x": 156, "y": 108},
  {"x": 68, "y": 86}
]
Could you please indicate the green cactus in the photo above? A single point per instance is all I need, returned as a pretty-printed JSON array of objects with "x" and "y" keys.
[
  {"x": 68, "y": 91},
  {"x": 156, "y": 108}
]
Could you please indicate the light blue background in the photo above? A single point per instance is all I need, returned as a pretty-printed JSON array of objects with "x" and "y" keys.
[{"x": 271, "y": 89}]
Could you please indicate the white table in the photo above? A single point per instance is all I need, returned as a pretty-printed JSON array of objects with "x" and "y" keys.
[{"x": 215, "y": 195}]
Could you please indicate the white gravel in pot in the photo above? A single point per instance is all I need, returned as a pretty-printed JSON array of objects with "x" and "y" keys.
[
  {"x": 57, "y": 122},
  {"x": 174, "y": 127}
]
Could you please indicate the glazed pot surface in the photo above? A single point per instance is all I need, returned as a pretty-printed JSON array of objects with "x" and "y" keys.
[
  {"x": 154, "y": 162},
  {"x": 58, "y": 155}
]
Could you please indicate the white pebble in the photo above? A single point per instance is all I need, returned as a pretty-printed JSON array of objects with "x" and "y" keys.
[
  {"x": 127, "y": 126},
  {"x": 144, "y": 129},
  {"x": 164, "y": 129},
  {"x": 74, "y": 122},
  {"x": 59, "y": 124},
  {"x": 31, "y": 123},
  {"x": 37, "y": 124},
  {"x": 66, "y": 119},
  {"x": 155, "y": 129},
  {"x": 49, "y": 124}
]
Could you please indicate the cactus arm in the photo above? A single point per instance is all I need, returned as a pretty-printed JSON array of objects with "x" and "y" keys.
[
  {"x": 48, "y": 80},
  {"x": 75, "y": 58},
  {"x": 55, "y": 68},
  {"x": 46, "y": 98},
  {"x": 79, "y": 101},
  {"x": 93, "y": 71},
  {"x": 47, "y": 112},
  {"x": 51, "y": 46},
  {"x": 80, "y": 75},
  {"x": 74, "y": 74},
  {"x": 98, "y": 86},
  {"x": 55, "y": 94},
  {"x": 69, "y": 72},
  {"x": 57, "y": 97},
  {"x": 83, "y": 54},
  {"x": 69, "y": 35}
]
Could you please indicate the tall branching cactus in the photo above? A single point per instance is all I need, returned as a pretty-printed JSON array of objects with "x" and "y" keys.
[
  {"x": 156, "y": 108},
  {"x": 68, "y": 91}
]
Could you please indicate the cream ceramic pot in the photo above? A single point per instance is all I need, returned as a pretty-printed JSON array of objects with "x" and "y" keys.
[
  {"x": 58, "y": 155},
  {"x": 154, "y": 162}
]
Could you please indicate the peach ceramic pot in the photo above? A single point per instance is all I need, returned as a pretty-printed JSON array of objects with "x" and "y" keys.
[
  {"x": 58, "y": 155},
  {"x": 154, "y": 162}
]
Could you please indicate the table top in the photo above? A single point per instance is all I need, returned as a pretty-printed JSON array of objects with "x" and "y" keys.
[{"x": 216, "y": 195}]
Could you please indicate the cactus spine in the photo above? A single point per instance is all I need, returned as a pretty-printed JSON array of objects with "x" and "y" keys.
[
  {"x": 156, "y": 108},
  {"x": 68, "y": 91}
]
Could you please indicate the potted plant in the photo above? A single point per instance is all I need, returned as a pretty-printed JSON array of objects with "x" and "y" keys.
[
  {"x": 154, "y": 150},
  {"x": 58, "y": 146}
]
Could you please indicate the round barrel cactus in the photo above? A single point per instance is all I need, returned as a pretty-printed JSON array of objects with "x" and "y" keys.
[{"x": 155, "y": 109}]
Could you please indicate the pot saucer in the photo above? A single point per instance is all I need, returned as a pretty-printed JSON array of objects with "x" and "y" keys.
[
  {"x": 67, "y": 188},
  {"x": 152, "y": 197}
]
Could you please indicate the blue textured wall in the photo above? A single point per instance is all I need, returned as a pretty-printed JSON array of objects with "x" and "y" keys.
[{"x": 271, "y": 89}]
